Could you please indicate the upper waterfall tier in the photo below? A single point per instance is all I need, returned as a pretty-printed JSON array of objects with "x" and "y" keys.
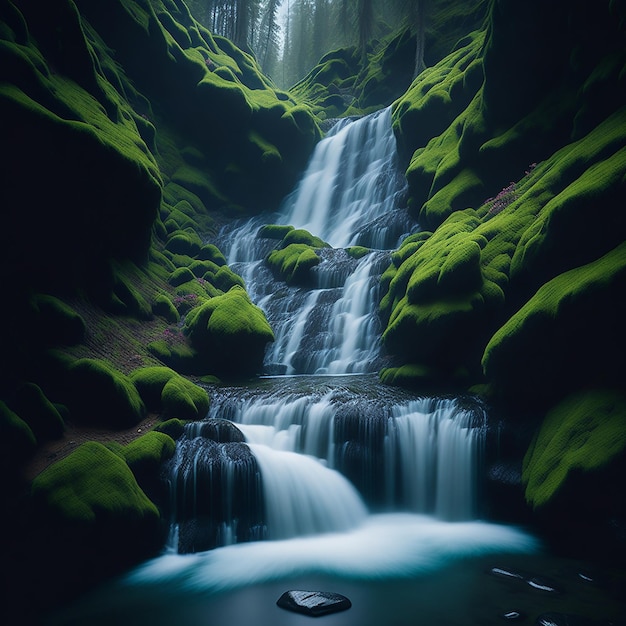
[
  {"x": 350, "y": 194},
  {"x": 352, "y": 180}
]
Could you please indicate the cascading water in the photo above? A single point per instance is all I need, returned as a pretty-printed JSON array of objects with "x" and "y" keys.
[
  {"x": 349, "y": 195},
  {"x": 318, "y": 454},
  {"x": 331, "y": 475}
]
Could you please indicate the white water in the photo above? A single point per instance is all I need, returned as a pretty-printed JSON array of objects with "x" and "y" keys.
[
  {"x": 349, "y": 195},
  {"x": 352, "y": 180}
]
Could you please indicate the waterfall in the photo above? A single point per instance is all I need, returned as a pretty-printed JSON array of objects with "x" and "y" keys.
[
  {"x": 352, "y": 181},
  {"x": 349, "y": 195},
  {"x": 313, "y": 457},
  {"x": 327, "y": 454},
  {"x": 329, "y": 477}
]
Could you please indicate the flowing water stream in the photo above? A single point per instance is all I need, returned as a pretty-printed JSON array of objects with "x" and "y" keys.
[{"x": 326, "y": 477}]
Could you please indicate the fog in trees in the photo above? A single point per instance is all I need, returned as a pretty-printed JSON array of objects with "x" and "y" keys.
[{"x": 289, "y": 37}]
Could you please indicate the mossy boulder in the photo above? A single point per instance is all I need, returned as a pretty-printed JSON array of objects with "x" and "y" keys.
[
  {"x": 210, "y": 252},
  {"x": 100, "y": 394},
  {"x": 164, "y": 307},
  {"x": 274, "y": 231},
  {"x": 164, "y": 390},
  {"x": 54, "y": 322},
  {"x": 293, "y": 263},
  {"x": 180, "y": 276},
  {"x": 550, "y": 347},
  {"x": 90, "y": 509},
  {"x": 301, "y": 236},
  {"x": 172, "y": 427},
  {"x": 440, "y": 295},
  {"x": 229, "y": 332},
  {"x": 43, "y": 417},
  {"x": 183, "y": 243},
  {"x": 91, "y": 485},
  {"x": 145, "y": 457},
  {"x": 584, "y": 432}
]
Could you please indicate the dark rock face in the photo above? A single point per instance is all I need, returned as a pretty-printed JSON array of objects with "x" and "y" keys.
[
  {"x": 314, "y": 603},
  {"x": 221, "y": 431},
  {"x": 216, "y": 494}
]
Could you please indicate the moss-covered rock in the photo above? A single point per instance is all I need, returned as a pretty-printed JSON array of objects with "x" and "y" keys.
[
  {"x": 584, "y": 432},
  {"x": 92, "y": 485},
  {"x": 301, "y": 236},
  {"x": 183, "y": 243},
  {"x": 164, "y": 390},
  {"x": 55, "y": 322},
  {"x": 100, "y": 394},
  {"x": 274, "y": 231},
  {"x": 550, "y": 347},
  {"x": 43, "y": 418},
  {"x": 180, "y": 276},
  {"x": 292, "y": 264},
  {"x": 172, "y": 427},
  {"x": 164, "y": 307},
  {"x": 210, "y": 252},
  {"x": 145, "y": 457},
  {"x": 229, "y": 332}
]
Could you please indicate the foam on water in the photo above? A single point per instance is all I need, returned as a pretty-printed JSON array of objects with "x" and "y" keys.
[{"x": 389, "y": 546}]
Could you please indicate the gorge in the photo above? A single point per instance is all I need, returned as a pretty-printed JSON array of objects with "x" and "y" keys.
[{"x": 376, "y": 317}]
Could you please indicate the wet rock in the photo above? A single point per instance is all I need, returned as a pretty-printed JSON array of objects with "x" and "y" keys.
[
  {"x": 513, "y": 616},
  {"x": 542, "y": 585},
  {"x": 221, "y": 431},
  {"x": 315, "y": 603},
  {"x": 502, "y": 572}
]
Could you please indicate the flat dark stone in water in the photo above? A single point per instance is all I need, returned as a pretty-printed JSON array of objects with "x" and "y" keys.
[{"x": 313, "y": 603}]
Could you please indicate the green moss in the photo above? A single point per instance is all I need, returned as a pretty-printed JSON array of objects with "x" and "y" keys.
[
  {"x": 99, "y": 394},
  {"x": 163, "y": 307},
  {"x": 164, "y": 390},
  {"x": 357, "y": 252},
  {"x": 210, "y": 252},
  {"x": 148, "y": 452},
  {"x": 55, "y": 322},
  {"x": 89, "y": 485},
  {"x": 180, "y": 276},
  {"x": 408, "y": 375},
  {"x": 293, "y": 263},
  {"x": 128, "y": 300},
  {"x": 273, "y": 231},
  {"x": 229, "y": 332},
  {"x": 184, "y": 243},
  {"x": 573, "y": 351},
  {"x": 301, "y": 236},
  {"x": 30, "y": 403},
  {"x": 172, "y": 427},
  {"x": 225, "y": 279},
  {"x": 584, "y": 432}
]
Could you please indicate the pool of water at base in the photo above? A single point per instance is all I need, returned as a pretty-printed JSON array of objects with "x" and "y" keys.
[{"x": 463, "y": 593}]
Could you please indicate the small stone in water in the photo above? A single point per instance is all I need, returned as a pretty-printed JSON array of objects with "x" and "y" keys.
[
  {"x": 313, "y": 603},
  {"x": 505, "y": 573},
  {"x": 512, "y": 616},
  {"x": 542, "y": 585}
]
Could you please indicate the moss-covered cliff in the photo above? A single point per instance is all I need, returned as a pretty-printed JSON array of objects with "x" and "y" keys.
[{"x": 515, "y": 146}]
